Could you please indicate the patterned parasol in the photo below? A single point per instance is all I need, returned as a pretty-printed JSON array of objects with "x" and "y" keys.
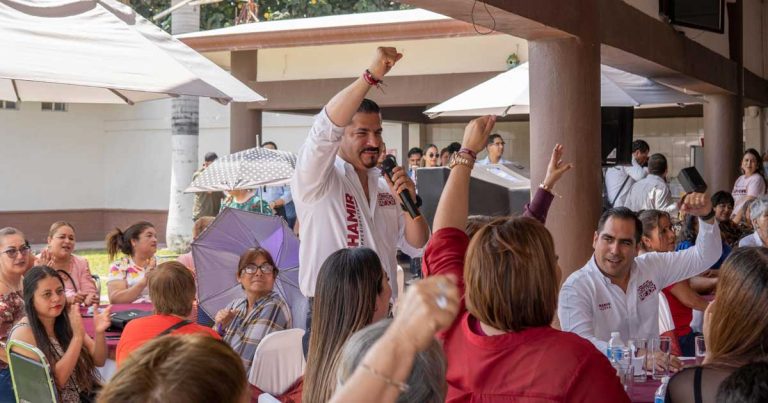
[{"x": 246, "y": 169}]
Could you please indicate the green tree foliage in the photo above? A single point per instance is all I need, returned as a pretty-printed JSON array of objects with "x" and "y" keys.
[{"x": 222, "y": 14}]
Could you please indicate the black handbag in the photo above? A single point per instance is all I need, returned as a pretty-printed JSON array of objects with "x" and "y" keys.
[{"x": 120, "y": 319}]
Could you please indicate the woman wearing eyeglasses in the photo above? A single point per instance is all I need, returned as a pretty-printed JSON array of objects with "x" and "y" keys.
[
  {"x": 431, "y": 156},
  {"x": 245, "y": 321},
  {"x": 14, "y": 261}
]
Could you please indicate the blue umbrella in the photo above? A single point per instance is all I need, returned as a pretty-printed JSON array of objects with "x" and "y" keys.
[{"x": 217, "y": 251}]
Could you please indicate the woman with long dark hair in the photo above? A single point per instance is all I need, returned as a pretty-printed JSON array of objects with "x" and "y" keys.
[
  {"x": 352, "y": 292},
  {"x": 56, "y": 328}
]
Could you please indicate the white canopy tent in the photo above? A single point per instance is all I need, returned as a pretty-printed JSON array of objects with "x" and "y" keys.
[
  {"x": 100, "y": 51},
  {"x": 509, "y": 93}
]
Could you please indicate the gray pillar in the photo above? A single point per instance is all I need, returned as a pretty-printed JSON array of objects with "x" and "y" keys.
[
  {"x": 244, "y": 124},
  {"x": 722, "y": 141},
  {"x": 565, "y": 109}
]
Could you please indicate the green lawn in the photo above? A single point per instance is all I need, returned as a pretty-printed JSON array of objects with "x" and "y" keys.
[{"x": 99, "y": 263}]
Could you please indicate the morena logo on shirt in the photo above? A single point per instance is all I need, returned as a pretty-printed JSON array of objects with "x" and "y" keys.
[
  {"x": 646, "y": 289},
  {"x": 353, "y": 223},
  {"x": 386, "y": 199},
  {"x": 604, "y": 307}
]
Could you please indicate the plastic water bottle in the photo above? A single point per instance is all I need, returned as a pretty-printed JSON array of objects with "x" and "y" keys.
[
  {"x": 615, "y": 346},
  {"x": 661, "y": 392}
]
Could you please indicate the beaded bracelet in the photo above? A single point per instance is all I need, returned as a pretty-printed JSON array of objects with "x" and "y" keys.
[
  {"x": 370, "y": 79},
  {"x": 401, "y": 386},
  {"x": 466, "y": 150}
]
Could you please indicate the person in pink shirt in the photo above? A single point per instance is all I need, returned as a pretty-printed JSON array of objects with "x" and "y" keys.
[
  {"x": 79, "y": 284},
  {"x": 502, "y": 347},
  {"x": 748, "y": 186}
]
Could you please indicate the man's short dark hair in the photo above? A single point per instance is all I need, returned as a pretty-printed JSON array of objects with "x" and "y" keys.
[
  {"x": 621, "y": 213},
  {"x": 269, "y": 143},
  {"x": 745, "y": 385},
  {"x": 493, "y": 137},
  {"x": 210, "y": 156},
  {"x": 415, "y": 150},
  {"x": 454, "y": 147},
  {"x": 657, "y": 164},
  {"x": 722, "y": 197},
  {"x": 368, "y": 106},
  {"x": 640, "y": 145}
]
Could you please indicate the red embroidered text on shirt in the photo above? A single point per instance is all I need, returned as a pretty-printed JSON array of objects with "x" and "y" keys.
[
  {"x": 646, "y": 289},
  {"x": 604, "y": 306},
  {"x": 386, "y": 199},
  {"x": 353, "y": 228}
]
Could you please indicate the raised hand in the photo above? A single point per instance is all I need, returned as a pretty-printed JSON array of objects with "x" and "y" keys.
[
  {"x": 556, "y": 167},
  {"x": 46, "y": 258},
  {"x": 385, "y": 59},
  {"x": 697, "y": 204},
  {"x": 428, "y": 306},
  {"x": 76, "y": 321},
  {"x": 79, "y": 298},
  {"x": 400, "y": 182},
  {"x": 477, "y": 131},
  {"x": 101, "y": 321}
]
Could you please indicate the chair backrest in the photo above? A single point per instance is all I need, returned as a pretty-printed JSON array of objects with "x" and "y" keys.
[
  {"x": 32, "y": 380},
  {"x": 278, "y": 362}
]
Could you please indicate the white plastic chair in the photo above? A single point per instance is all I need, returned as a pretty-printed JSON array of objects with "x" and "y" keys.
[{"x": 278, "y": 362}]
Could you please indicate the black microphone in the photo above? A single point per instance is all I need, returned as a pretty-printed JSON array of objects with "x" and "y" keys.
[{"x": 387, "y": 166}]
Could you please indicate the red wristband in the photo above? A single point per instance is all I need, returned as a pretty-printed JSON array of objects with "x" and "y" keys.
[
  {"x": 370, "y": 79},
  {"x": 466, "y": 150}
]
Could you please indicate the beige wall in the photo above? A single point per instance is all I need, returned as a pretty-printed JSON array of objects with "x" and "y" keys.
[{"x": 432, "y": 56}]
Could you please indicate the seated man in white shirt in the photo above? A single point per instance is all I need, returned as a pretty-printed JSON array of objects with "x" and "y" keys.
[
  {"x": 620, "y": 178},
  {"x": 758, "y": 213},
  {"x": 618, "y": 291},
  {"x": 652, "y": 192}
]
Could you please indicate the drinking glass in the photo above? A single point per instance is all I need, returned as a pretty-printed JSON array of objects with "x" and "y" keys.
[
  {"x": 661, "y": 349},
  {"x": 701, "y": 350},
  {"x": 639, "y": 348}
]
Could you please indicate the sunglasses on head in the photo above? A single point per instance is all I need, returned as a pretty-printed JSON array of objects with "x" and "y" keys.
[{"x": 13, "y": 252}]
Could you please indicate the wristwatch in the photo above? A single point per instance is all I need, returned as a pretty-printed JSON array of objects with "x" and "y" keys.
[{"x": 458, "y": 159}]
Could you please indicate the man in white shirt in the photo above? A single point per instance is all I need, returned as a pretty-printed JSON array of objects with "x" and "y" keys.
[
  {"x": 652, "y": 192},
  {"x": 495, "y": 149},
  {"x": 758, "y": 213},
  {"x": 618, "y": 291},
  {"x": 342, "y": 200},
  {"x": 620, "y": 178}
]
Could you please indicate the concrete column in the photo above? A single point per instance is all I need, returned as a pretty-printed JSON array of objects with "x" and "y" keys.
[
  {"x": 565, "y": 109},
  {"x": 753, "y": 129},
  {"x": 244, "y": 124},
  {"x": 722, "y": 141}
]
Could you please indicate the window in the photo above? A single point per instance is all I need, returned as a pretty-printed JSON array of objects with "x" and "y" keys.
[
  {"x": 54, "y": 106},
  {"x": 9, "y": 105}
]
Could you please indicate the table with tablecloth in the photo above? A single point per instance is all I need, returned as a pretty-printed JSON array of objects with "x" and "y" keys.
[{"x": 644, "y": 392}]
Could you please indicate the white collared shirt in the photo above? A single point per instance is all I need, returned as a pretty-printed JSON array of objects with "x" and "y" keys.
[
  {"x": 615, "y": 177},
  {"x": 333, "y": 211},
  {"x": 591, "y": 306},
  {"x": 651, "y": 193},
  {"x": 751, "y": 240}
]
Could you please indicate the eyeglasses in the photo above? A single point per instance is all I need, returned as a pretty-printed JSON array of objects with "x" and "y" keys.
[
  {"x": 265, "y": 268},
  {"x": 431, "y": 155},
  {"x": 13, "y": 252},
  {"x": 498, "y": 144}
]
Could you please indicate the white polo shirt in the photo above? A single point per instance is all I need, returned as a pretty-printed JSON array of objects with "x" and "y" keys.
[
  {"x": 591, "y": 306},
  {"x": 333, "y": 211},
  {"x": 752, "y": 239}
]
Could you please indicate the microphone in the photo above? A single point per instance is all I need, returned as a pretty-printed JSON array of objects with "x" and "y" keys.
[{"x": 387, "y": 166}]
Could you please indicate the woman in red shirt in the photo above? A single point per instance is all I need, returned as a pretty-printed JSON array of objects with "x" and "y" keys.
[{"x": 501, "y": 346}]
